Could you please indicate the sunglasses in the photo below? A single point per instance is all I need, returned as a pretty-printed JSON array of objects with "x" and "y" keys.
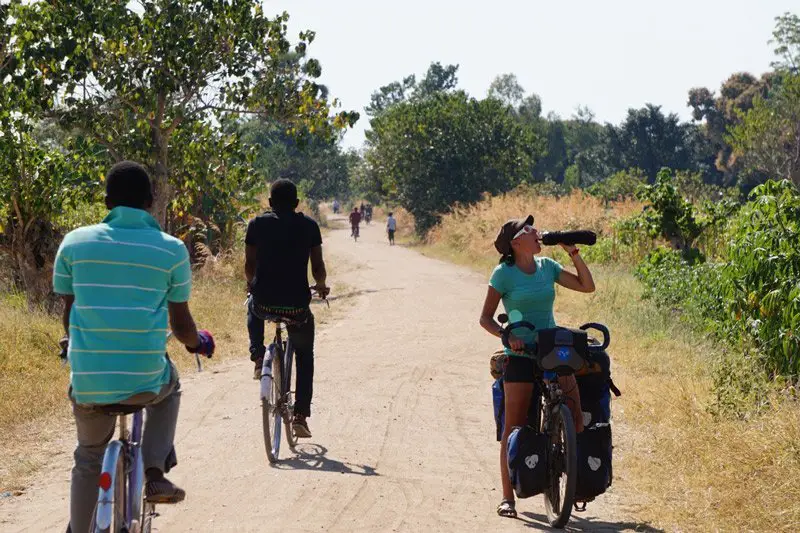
[{"x": 524, "y": 231}]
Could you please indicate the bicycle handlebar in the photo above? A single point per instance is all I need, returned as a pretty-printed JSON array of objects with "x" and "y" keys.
[{"x": 506, "y": 333}]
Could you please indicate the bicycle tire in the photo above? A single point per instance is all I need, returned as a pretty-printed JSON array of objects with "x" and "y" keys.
[
  {"x": 270, "y": 415},
  {"x": 288, "y": 412},
  {"x": 562, "y": 435}
]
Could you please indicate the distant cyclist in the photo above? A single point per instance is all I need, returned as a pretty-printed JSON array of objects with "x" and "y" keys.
[
  {"x": 368, "y": 215},
  {"x": 121, "y": 280},
  {"x": 279, "y": 245},
  {"x": 355, "y": 220}
]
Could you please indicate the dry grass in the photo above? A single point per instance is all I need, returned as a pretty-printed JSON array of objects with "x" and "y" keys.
[
  {"x": 676, "y": 466},
  {"x": 473, "y": 228}
]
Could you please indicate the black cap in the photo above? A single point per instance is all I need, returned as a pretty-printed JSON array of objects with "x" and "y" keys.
[{"x": 503, "y": 240}]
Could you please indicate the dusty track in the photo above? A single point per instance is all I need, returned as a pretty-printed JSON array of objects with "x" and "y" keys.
[{"x": 403, "y": 433}]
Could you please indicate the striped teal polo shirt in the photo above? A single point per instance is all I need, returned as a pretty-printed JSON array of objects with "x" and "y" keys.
[{"x": 122, "y": 273}]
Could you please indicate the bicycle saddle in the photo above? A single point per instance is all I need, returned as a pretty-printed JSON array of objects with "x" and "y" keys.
[{"x": 118, "y": 409}]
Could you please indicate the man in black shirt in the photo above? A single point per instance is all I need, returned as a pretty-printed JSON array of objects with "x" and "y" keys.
[{"x": 279, "y": 245}]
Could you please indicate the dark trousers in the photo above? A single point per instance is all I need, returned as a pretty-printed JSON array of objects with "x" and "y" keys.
[{"x": 302, "y": 338}]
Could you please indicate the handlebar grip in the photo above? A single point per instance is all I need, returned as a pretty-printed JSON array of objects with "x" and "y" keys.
[
  {"x": 516, "y": 325},
  {"x": 602, "y": 329}
]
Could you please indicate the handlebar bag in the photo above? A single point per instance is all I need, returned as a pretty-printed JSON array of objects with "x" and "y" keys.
[{"x": 562, "y": 350}]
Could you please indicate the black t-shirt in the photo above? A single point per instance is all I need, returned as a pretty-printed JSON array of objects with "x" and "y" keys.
[{"x": 284, "y": 242}]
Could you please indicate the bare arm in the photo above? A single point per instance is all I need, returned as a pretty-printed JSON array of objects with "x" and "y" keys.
[
  {"x": 318, "y": 267},
  {"x": 490, "y": 304},
  {"x": 182, "y": 324},
  {"x": 583, "y": 282},
  {"x": 68, "y": 299},
  {"x": 251, "y": 255}
]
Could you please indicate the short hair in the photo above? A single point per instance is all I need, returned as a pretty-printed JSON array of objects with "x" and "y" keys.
[
  {"x": 390, "y": 213},
  {"x": 128, "y": 184},
  {"x": 283, "y": 194}
]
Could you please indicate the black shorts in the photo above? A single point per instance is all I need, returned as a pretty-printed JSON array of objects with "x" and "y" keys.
[
  {"x": 519, "y": 370},
  {"x": 391, "y": 234}
]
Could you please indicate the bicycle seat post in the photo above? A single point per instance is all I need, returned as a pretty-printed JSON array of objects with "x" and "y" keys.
[{"x": 123, "y": 426}]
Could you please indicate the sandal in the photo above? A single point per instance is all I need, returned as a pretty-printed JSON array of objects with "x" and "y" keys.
[{"x": 506, "y": 509}]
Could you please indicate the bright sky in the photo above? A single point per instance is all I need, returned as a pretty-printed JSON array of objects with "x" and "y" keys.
[{"x": 609, "y": 55}]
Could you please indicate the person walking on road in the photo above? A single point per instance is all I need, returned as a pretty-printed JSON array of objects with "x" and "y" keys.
[
  {"x": 355, "y": 220},
  {"x": 391, "y": 228}
]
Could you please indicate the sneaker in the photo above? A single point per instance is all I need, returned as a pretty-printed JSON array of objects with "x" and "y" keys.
[
  {"x": 300, "y": 427},
  {"x": 163, "y": 491},
  {"x": 257, "y": 370}
]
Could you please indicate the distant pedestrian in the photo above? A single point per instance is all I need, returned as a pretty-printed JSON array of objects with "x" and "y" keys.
[{"x": 391, "y": 228}]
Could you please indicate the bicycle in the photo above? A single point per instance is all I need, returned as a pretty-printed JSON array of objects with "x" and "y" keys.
[
  {"x": 553, "y": 418},
  {"x": 277, "y": 398},
  {"x": 121, "y": 505}
]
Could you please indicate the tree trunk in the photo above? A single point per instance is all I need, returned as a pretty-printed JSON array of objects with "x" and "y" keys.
[
  {"x": 161, "y": 187},
  {"x": 33, "y": 254}
]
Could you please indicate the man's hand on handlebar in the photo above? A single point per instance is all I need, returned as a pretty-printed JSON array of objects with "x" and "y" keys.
[
  {"x": 322, "y": 290},
  {"x": 206, "y": 344}
]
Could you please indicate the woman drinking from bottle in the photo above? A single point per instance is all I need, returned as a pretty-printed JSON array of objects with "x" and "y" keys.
[{"x": 526, "y": 284}]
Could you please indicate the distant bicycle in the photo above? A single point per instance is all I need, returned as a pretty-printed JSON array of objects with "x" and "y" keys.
[
  {"x": 277, "y": 398},
  {"x": 121, "y": 506}
]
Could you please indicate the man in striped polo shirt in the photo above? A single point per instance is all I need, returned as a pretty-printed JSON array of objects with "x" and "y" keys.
[{"x": 122, "y": 280}]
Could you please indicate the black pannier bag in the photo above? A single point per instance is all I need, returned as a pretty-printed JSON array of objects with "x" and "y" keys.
[
  {"x": 595, "y": 471},
  {"x": 527, "y": 461}
]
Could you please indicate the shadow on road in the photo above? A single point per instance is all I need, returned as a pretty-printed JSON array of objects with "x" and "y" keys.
[
  {"x": 577, "y": 523},
  {"x": 352, "y": 294},
  {"x": 313, "y": 457}
]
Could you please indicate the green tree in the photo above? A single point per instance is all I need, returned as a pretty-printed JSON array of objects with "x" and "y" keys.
[
  {"x": 769, "y": 134},
  {"x": 507, "y": 89},
  {"x": 555, "y": 159},
  {"x": 446, "y": 149},
  {"x": 668, "y": 215},
  {"x": 130, "y": 76},
  {"x": 650, "y": 141},
  {"x": 786, "y": 38},
  {"x": 38, "y": 181},
  {"x": 719, "y": 113},
  {"x": 317, "y": 164},
  {"x": 437, "y": 79}
]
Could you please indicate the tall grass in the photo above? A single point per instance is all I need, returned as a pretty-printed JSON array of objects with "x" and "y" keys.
[
  {"x": 679, "y": 466},
  {"x": 473, "y": 228}
]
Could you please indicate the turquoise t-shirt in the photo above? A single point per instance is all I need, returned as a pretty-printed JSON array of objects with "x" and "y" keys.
[
  {"x": 122, "y": 273},
  {"x": 532, "y": 295}
]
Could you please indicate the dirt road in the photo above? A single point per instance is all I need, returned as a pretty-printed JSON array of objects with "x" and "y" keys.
[{"x": 403, "y": 431}]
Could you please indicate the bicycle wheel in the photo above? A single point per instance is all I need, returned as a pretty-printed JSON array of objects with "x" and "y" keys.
[
  {"x": 562, "y": 467},
  {"x": 288, "y": 397},
  {"x": 271, "y": 409}
]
